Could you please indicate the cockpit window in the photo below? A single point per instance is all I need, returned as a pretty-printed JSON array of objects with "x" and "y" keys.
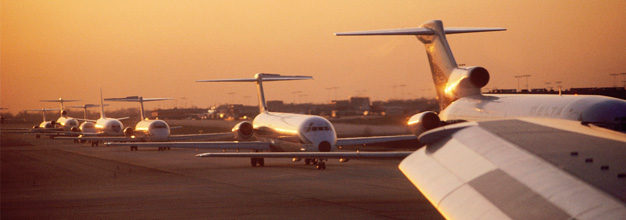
[
  {"x": 158, "y": 124},
  {"x": 317, "y": 128}
]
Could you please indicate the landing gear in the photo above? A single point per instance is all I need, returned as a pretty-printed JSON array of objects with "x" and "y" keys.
[
  {"x": 259, "y": 161},
  {"x": 321, "y": 165},
  {"x": 37, "y": 136},
  {"x": 94, "y": 143},
  {"x": 133, "y": 148},
  {"x": 164, "y": 148}
]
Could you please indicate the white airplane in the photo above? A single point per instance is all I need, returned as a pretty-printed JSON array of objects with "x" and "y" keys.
[
  {"x": 104, "y": 127},
  {"x": 44, "y": 127},
  {"x": 285, "y": 135},
  {"x": 88, "y": 126},
  {"x": 518, "y": 156},
  {"x": 108, "y": 126},
  {"x": 458, "y": 89},
  {"x": 148, "y": 130},
  {"x": 66, "y": 122}
]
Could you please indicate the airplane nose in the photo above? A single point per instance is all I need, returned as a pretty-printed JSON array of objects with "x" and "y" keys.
[{"x": 324, "y": 146}]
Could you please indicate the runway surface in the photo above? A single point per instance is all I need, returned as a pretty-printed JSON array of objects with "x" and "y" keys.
[{"x": 54, "y": 179}]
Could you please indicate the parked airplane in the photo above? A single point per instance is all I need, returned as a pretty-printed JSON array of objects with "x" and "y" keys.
[
  {"x": 104, "y": 127},
  {"x": 44, "y": 127},
  {"x": 108, "y": 126},
  {"x": 148, "y": 130},
  {"x": 519, "y": 156},
  {"x": 458, "y": 89},
  {"x": 64, "y": 121},
  {"x": 88, "y": 126},
  {"x": 285, "y": 135}
]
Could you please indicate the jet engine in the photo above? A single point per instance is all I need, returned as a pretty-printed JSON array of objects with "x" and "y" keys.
[
  {"x": 466, "y": 81},
  {"x": 129, "y": 132},
  {"x": 243, "y": 130},
  {"x": 75, "y": 129},
  {"x": 52, "y": 124},
  {"x": 423, "y": 122}
]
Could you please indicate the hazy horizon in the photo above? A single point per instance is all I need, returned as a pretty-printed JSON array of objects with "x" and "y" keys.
[{"x": 68, "y": 49}]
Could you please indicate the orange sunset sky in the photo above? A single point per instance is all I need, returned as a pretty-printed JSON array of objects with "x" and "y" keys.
[{"x": 68, "y": 49}]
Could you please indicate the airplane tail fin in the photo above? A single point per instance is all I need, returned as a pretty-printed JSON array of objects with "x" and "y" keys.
[
  {"x": 84, "y": 107},
  {"x": 259, "y": 78},
  {"x": 60, "y": 100},
  {"x": 139, "y": 99},
  {"x": 442, "y": 62},
  {"x": 43, "y": 110},
  {"x": 101, "y": 105}
]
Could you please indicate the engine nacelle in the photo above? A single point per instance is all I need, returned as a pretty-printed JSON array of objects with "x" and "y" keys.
[
  {"x": 466, "y": 81},
  {"x": 423, "y": 122},
  {"x": 243, "y": 130},
  {"x": 129, "y": 132}
]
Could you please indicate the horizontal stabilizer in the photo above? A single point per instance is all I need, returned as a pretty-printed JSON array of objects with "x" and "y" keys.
[
  {"x": 234, "y": 145},
  {"x": 60, "y": 100},
  {"x": 87, "y": 106},
  {"x": 43, "y": 109},
  {"x": 374, "y": 140},
  {"x": 325, "y": 155},
  {"x": 262, "y": 76},
  {"x": 136, "y": 99},
  {"x": 418, "y": 31}
]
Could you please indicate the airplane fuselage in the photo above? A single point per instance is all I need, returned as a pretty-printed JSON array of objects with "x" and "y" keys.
[
  {"x": 599, "y": 110},
  {"x": 109, "y": 127},
  {"x": 295, "y": 133},
  {"x": 153, "y": 130},
  {"x": 88, "y": 127},
  {"x": 67, "y": 123}
]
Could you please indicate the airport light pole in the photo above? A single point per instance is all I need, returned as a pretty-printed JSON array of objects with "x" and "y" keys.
[
  {"x": 296, "y": 95},
  {"x": 518, "y": 77},
  {"x": 527, "y": 76},
  {"x": 558, "y": 84},
  {"x": 614, "y": 75},
  {"x": 247, "y": 98},
  {"x": 332, "y": 88},
  {"x": 232, "y": 97}
]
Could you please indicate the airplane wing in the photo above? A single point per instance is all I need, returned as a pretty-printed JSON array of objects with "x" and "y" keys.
[
  {"x": 95, "y": 137},
  {"x": 325, "y": 155},
  {"x": 103, "y": 139},
  {"x": 252, "y": 145},
  {"x": 373, "y": 140},
  {"x": 33, "y": 130},
  {"x": 200, "y": 136},
  {"x": 522, "y": 169}
]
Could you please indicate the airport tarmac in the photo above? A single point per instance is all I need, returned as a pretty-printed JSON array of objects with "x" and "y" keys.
[{"x": 54, "y": 179}]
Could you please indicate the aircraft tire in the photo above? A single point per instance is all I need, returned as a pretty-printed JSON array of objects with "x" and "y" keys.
[{"x": 321, "y": 166}]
